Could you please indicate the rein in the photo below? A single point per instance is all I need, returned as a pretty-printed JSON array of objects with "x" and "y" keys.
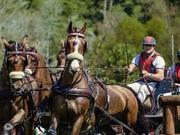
[{"x": 68, "y": 90}]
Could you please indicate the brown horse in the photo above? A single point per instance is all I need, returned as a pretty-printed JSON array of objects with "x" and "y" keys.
[
  {"x": 120, "y": 103},
  {"x": 60, "y": 57},
  {"x": 72, "y": 99},
  {"x": 69, "y": 104},
  {"x": 27, "y": 84}
]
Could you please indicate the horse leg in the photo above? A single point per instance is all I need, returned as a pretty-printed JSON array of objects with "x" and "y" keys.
[
  {"x": 17, "y": 119},
  {"x": 77, "y": 125},
  {"x": 108, "y": 130},
  {"x": 131, "y": 120},
  {"x": 53, "y": 127}
]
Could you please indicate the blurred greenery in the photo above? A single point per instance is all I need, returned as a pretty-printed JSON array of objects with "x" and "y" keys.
[{"x": 115, "y": 29}]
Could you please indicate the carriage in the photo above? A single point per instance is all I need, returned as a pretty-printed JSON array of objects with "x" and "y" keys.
[
  {"x": 103, "y": 111},
  {"x": 84, "y": 105}
]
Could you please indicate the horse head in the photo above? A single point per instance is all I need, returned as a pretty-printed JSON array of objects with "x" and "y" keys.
[
  {"x": 19, "y": 78},
  {"x": 18, "y": 63},
  {"x": 75, "y": 47},
  {"x": 29, "y": 81}
]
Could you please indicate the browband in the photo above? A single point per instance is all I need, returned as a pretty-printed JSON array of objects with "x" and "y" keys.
[{"x": 76, "y": 34}]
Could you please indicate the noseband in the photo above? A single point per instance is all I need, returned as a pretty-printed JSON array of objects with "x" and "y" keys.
[
  {"x": 76, "y": 34},
  {"x": 75, "y": 54}
]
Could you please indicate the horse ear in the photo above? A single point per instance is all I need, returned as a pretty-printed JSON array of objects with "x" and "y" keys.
[
  {"x": 85, "y": 46},
  {"x": 62, "y": 44},
  {"x": 83, "y": 29},
  {"x": 33, "y": 49},
  {"x": 5, "y": 43},
  {"x": 25, "y": 41},
  {"x": 69, "y": 30}
]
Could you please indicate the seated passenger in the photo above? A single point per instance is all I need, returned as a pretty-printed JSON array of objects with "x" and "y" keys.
[{"x": 174, "y": 72}]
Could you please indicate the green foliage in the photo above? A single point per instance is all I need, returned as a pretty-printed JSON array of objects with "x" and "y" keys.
[
  {"x": 111, "y": 27},
  {"x": 133, "y": 30}
]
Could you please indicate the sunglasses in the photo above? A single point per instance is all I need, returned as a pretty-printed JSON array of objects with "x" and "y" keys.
[{"x": 148, "y": 45}]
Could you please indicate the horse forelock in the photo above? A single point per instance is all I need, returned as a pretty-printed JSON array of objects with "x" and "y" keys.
[
  {"x": 76, "y": 30},
  {"x": 14, "y": 46}
]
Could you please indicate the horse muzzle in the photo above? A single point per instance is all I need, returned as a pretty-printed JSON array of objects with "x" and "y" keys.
[{"x": 74, "y": 66}]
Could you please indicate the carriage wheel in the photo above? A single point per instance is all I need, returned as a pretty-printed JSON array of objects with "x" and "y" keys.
[{"x": 159, "y": 129}]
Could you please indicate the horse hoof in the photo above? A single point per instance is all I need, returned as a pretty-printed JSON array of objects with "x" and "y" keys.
[
  {"x": 51, "y": 132},
  {"x": 8, "y": 127}
]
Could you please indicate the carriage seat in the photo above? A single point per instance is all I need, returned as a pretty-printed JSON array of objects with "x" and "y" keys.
[
  {"x": 176, "y": 88},
  {"x": 151, "y": 101}
]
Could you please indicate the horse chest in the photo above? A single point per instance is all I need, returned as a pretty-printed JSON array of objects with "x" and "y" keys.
[{"x": 71, "y": 106}]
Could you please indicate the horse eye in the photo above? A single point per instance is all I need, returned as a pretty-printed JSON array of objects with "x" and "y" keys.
[
  {"x": 80, "y": 37},
  {"x": 70, "y": 37}
]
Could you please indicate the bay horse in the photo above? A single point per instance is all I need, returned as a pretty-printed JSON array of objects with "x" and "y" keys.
[
  {"x": 71, "y": 103},
  {"x": 68, "y": 97},
  {"x": 60, "y": 57},
  {"x": 28, "y": 84}
]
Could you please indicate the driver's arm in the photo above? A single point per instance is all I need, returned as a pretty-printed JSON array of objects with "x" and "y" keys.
[
  {"x": 131, "y": 67},
  {"x": 158, "y": 76}
]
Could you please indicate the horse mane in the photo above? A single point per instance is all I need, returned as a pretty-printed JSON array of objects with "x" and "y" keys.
[
  {"x": 4, "y": 72},
  {"x": 32, "y": 49},
  {"x": 42, "y": 69},
  {"x": 75, "y": 30},
  {"x": 41, "y": 60}
]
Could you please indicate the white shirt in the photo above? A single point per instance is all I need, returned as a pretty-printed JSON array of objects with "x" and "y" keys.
[{"x": 158, "y": 62}]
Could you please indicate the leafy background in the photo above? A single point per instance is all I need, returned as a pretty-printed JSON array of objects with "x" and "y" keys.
[{"x": 115, "y": 29}]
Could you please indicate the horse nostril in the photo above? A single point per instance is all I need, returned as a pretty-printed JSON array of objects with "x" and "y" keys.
[
  {"x": 16, "y": 85},
  {"x": 75, "y": 43},
  {"x": 13, "y": 86}
]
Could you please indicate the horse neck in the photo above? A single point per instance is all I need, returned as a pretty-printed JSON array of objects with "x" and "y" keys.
[
  {"x": 43, "y": 73},
  {"x": 5, "y": 82}
]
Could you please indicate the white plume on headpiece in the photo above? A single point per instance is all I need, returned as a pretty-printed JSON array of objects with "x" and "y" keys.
[
  {"x": 75, "y": 65},
  {"x": 75, "y": 55},
  {"x": 16, "y": 75}
]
